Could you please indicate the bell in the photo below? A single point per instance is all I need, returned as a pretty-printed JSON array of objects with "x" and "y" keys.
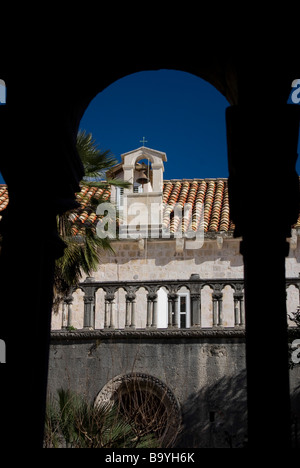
[{"x": 142, "y": 179}]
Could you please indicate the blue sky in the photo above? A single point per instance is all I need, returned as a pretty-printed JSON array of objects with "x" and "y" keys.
[
  {"x": 2, "y": 92},
  {"x": 177, "y": 113}
]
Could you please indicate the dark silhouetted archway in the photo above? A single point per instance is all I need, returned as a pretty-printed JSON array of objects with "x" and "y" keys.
[{"x": 43, "y": 172}]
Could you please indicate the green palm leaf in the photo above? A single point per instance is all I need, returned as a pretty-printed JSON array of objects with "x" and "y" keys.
[{"x": 84, "y": 248}]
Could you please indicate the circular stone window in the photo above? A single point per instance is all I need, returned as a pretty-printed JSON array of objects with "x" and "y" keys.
[{"x": 147, "y": 402}]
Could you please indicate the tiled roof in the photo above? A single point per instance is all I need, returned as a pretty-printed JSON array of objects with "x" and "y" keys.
[
  {"x": 212, "y": 193},
  {"x": 209, "y": 196},
  {"x": 3, "y": 197},
  {"x": 85, "y": 214}
]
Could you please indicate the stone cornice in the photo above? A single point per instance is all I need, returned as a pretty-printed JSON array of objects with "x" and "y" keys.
[
  {"x": 74, "y": 335},
  {"x": 154, "y": 334}
]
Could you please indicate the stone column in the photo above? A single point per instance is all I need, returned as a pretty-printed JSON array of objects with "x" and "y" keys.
[
  {"x": 128, "y": 313},
  {"x": 170, "y": 311},
  {"x": 239, "y": 316},
  {"x": 154, "y": 314},
  {"x": 63, "y": 315},
  {"x": 262, "y": 137},
  {"x": 109, "y": 311},
  {"x": 176, "y": 311},
  {"x": 195, "y": 310},
  {"x": 149, "y": 312},
  {"x": 89, "y": 303},
  {"x": 130, "y": 310},
  {"x": 89, "y": 310},
  {"x": 133, "y": 305},
  {"x": 69, "y": 301},
  {"x": 215, "y": 310},
  {"x": 242, "y": 311},
  {"x": 152, "y": 310},
  {"x": 236, "y": 310},
  {"x": 217, "y": 298},
  {"x": 173, "y": 310}
]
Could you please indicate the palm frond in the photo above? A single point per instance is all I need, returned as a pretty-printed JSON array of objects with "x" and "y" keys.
[
  {"x": 83, "y": 251},
  {"x": 95, "y": 161},
  {"x": 74, "y": 422}
]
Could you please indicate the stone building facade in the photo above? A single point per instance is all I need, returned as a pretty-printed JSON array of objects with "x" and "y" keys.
[{"x": 185, "y": 238}]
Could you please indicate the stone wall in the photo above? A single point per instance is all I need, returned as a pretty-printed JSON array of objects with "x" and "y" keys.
[
  {"x": 205, "y": 375},
  {"x": 203, "y": 370},
  {"x": 163, "y": 259}
]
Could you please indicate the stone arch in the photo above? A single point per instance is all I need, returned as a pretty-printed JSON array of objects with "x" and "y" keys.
[
  {"x": 157, "y": 159},
  {"x": 147, "y": 390}
]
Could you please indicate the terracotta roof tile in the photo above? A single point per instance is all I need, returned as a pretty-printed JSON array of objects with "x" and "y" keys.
[
  {"x": 3, "y": 197},
  {"x": 201, "y": 200},
  {"x": 85, "y": 215},
  {"x": 205, "y": 201},
  {"x": 189, "y": 195}
]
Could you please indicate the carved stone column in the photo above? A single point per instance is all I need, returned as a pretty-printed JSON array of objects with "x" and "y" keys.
[
  {"x": 152, "y": 309},
  {"x": 89, "y": 303},
  {"x": 217, "y": 298},
  {"x": 89, "y": 311},
  {"x": 109, "y": 321},
  {"x": 196, "y": 310},
  {"x": 130, "y": 309},
  {"x": 154, "y": 315},
  {"x": 239, "y": 314},
  {"x": 63, "y": 316},
  {"x": 149, "y": 311},
  {"x": 172, "y": 310},
  {"x": 69, "y": 301}
]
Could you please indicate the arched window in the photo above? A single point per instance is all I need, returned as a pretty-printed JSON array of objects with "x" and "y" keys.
[
  {"x": 184, "y": 310},
  {"x": 147, "y": 403},
  {"x": 181, "y": 308}
]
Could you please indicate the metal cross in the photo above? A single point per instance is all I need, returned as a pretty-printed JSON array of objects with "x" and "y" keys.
[{"x": 143, "y": 141}]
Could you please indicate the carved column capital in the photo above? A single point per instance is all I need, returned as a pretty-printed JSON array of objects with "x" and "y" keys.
[
  {"x": 152, "y": 296},
  {"x": 88, "y": 299},
  {"x": 195, "y": 296},
  {"x": 217, "y": 295},
  {"x": 110, "y": 297},
  {"x": 172, "y": 296},
  {"x": 130, "y": 297}
]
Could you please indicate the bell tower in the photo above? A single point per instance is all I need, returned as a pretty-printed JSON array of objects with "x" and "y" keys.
[{"x": 142, "y": 214}]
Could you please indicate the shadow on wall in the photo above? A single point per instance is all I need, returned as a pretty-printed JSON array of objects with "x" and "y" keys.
[
  {"x": 295, "y": 415},
  {"x": 216, "y": 416}
]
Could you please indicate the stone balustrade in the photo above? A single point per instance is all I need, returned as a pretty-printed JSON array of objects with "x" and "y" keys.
[{"x": 149, "y": 307}]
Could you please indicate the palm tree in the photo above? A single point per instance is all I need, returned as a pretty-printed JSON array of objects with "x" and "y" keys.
[
  {"x": 73, "y": 422},
  {"x": 83, "y": 247}
]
